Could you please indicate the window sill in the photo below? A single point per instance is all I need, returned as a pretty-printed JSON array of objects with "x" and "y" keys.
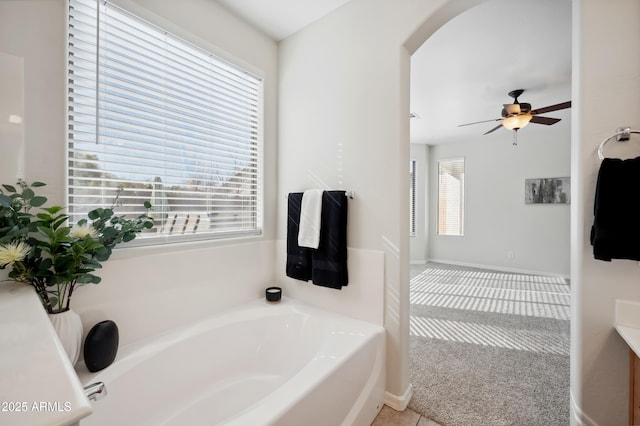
[{"x": 137, "y": 247}]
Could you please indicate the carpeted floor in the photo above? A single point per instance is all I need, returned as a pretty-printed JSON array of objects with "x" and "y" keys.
[{"x": 489, "y": 348}]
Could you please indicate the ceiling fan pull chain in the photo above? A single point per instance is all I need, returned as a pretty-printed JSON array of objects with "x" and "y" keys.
[{"x": 515, "y": 137}]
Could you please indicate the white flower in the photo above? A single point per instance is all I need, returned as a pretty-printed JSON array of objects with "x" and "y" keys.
[
  {"x": 81, "y": 231},
  {"x": 17, "y": 203},
  {"x": 13, "y": 252}
]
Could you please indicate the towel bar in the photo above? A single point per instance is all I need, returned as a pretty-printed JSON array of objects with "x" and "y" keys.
[
  {"x": 350, "y": 194},
  {"x": 622, "y": 135}
]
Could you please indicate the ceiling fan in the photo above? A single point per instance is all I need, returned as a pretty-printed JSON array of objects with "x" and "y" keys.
[{"x": 517, "y": 115}]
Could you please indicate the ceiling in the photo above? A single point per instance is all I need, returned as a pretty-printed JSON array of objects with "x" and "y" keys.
[
  {"x": 281, "y": 18},
  {"x": 464, "y": 71}
]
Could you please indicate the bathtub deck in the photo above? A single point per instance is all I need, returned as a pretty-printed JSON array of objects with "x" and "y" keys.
[{"x": 274, "y": 364}]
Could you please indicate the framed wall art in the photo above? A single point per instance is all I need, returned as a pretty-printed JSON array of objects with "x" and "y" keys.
[{"x": 547, "y": 190}]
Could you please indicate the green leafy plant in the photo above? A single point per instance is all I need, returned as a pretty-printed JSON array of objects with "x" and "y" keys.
[{"x": 43, "y": 250}]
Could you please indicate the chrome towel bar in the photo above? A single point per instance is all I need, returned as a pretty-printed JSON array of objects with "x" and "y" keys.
[{"x": 622, "y": 135}]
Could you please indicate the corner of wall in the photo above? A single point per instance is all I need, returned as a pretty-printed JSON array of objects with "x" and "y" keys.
[
  {"x": 579, "y": 417},
  {"x": 399, "y": 402},
  {"x": 363, "y": 298}
]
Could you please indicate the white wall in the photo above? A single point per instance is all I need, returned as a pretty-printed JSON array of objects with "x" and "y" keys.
[
  {"x": 343, "y": 123},
  {"x": 146, "y": 289},
  {"x": 149, "y": 290},
  {"x": 500, "y": 230},
  {"x": 35, "y": 30},
  {"x": 11, "y": 104},
  {"x": 606, "y": 90}
]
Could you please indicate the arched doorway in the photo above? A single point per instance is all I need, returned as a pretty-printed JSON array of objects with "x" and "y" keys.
[{"x": 507, "y": 255}]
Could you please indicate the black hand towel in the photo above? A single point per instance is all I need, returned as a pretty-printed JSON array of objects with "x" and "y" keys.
[
  {"x": 329, "y": 261},
  {"x": 615, "y": 233},
  {"x": 298, "y": 258}
]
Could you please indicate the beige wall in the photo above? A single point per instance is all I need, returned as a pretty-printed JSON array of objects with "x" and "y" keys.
[{"x": 606, "y": 90}]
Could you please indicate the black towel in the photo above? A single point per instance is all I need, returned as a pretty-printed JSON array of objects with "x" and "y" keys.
[
  {"x": 615, "y": 233},
  {"x": 298, "y": 258},
  {"x": 329, "y": 261}
]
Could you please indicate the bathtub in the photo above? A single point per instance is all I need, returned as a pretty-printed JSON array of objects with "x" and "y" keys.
[{"x": 261, "y": 363}]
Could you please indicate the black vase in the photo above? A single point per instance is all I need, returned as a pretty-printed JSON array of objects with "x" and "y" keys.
[{"x": 101, "y": 345}]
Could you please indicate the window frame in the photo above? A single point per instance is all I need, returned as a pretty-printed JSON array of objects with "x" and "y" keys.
[
  {"x": 461, "y": 201},
  {"x": 257, "y": 199}
]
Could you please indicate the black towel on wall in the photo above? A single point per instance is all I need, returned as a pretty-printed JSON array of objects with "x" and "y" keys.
[
  {"x": 298, "y": 258},
  {"x": 329, "y": 261},
  {"x": 615, "y": 233}
]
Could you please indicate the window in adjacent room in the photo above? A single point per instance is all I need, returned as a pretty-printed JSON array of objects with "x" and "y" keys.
[
  {"x": 451, "y": 197},
  {"x": 412, "y": 198},
  {"x": 166, "y": 121}
]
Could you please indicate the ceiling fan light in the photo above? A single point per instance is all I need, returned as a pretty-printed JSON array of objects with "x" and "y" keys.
[
  {"x": 512, "y": 108},
  {"x": 515, "y": 122}
]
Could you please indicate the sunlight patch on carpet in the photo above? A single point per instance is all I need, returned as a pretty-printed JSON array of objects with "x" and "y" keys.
[
  {"x": 516, "y": 294},
  {"x": 487, "y": 335}
]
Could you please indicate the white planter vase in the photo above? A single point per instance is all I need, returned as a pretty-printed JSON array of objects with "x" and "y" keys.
[{"x": 68, "y": 325}]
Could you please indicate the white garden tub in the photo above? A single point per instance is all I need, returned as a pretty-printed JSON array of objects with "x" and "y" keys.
[{"x": 259, "y": 364}]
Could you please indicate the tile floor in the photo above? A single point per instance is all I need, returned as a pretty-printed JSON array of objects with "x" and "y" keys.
[{"x": 390, "y": 417}]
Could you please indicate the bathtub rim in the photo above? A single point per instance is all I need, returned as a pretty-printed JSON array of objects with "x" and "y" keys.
[
  {"x": 366, "y": 404},
  {"x": 131, "y": 352}
]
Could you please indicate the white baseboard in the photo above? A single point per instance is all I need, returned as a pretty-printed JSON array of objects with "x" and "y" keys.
[
  {"x": 499, "y": 268},
  {"x": 418, "y": 262},
  {"x": 578, "y": 417},
  {"x": 398, "y": 403}
]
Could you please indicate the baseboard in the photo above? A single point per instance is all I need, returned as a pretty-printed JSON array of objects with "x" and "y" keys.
[
  {"x": 418, "y": 262},
  {"x": 500, "y": 268},
  {"x": 578, "y": 417},
  {"x": 398, "y": 403}
]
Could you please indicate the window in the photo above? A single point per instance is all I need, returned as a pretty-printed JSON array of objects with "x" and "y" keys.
[
  {"x": 412, "y": 198},
  {"x": 165, "y": 121},
  {"x": 451, "y": 197}
]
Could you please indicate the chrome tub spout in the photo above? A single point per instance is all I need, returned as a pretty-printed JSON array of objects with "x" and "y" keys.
[{"x": 95, "y": 391}]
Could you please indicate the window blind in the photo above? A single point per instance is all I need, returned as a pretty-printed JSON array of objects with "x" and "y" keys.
[
  {"x": 164, "y": 120},
  {"x": 412, "y": 197},
  {"x": 451, "y": 197}
]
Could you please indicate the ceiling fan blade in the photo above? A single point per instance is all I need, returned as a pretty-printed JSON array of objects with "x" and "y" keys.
[
  {"x": 493, "y": 130},
  {"x": 556, "y": 107},
  {"x": 544, "y": 120},
  {"x": 478, "y": 122}
]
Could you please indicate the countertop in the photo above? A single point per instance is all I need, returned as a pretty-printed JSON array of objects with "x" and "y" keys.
[
  {"x": 38, "y": 385},
  {"x": 627, "y": 323}
]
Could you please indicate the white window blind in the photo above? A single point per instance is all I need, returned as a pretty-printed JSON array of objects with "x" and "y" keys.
[
  {"x": 166, "y": 121},
  {"x": 451, "y": 197},
  {"x": 412, "y": 197}
]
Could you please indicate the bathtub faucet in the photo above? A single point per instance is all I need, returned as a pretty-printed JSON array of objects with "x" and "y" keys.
[{"x": 95, "y": 391}]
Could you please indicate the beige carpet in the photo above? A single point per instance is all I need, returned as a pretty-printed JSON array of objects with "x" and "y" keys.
[{"x": 489, "y": 348}]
